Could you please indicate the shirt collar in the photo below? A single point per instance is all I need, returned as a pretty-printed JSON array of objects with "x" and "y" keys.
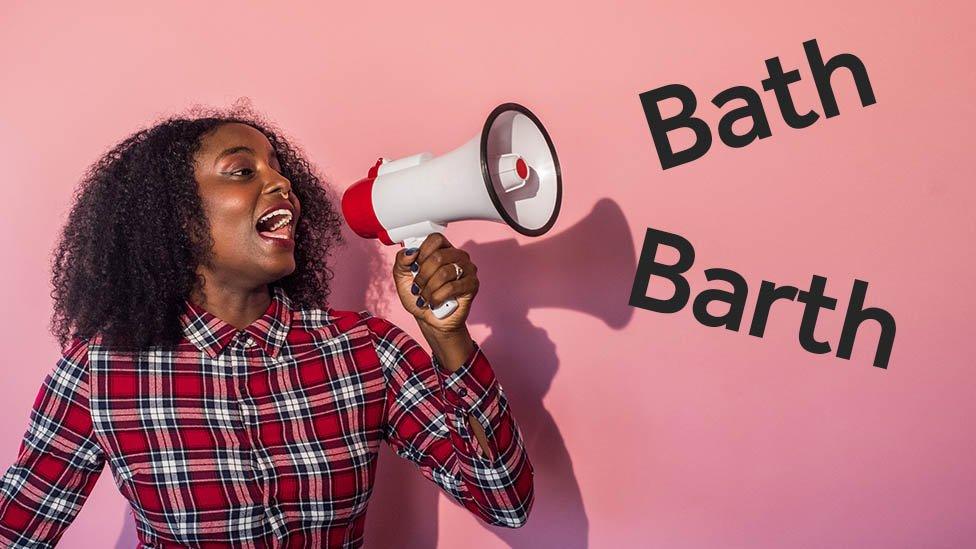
[{"x": 210, "y": 334}]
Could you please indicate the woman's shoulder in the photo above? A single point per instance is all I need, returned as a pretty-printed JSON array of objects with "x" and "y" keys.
[
  {"x": 76, "y": 348},
  {"x": 340, "y": 320}
]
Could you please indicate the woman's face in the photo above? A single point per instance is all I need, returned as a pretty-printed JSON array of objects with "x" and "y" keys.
[{"x": 238, "y": 180}]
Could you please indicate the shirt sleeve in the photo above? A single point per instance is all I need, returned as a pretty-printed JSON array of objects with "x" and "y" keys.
[
  {"x": 427, "y": 409},
  {"x": 59, "y": 460}
]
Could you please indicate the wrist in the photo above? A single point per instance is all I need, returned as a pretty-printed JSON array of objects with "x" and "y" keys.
[
  {"x": 451, "y": 348},
  {"x": 459, "y": 334}
]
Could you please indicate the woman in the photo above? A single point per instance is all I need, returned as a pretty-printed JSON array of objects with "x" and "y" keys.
[{"x": 200, "y": 361}]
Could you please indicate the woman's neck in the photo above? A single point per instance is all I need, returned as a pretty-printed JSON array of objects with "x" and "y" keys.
[{"x": 236, "y": 306}]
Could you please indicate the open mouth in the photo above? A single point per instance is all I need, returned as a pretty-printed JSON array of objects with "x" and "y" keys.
[{"x": 276, "y": 224}]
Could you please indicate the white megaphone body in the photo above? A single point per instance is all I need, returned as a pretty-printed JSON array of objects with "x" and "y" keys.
[{"x": 509, "y": 173}]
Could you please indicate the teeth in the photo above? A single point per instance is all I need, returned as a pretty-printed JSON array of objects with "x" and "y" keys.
[
  {"x": 282, "y": 222},
  {"x": 276, "y": 212},
  {"x": 279, "y": 211}
]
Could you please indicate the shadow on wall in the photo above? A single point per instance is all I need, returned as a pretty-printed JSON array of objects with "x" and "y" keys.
[{"x": 561, "y": 271}]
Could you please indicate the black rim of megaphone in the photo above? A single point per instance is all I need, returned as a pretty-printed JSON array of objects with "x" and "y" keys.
[{"x": 505, "y": 107}]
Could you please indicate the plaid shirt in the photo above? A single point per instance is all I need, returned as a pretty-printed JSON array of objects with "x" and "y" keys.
[{"x": 261, "y": 437}]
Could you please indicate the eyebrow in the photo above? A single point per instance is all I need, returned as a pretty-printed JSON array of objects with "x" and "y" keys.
[{"x": 239, "y": 148}]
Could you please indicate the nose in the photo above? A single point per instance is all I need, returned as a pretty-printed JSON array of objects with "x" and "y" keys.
[{"x": 280, "y": 185}]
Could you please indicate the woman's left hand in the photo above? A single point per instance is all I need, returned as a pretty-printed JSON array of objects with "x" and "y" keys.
[{"x": 435, "y": 282}]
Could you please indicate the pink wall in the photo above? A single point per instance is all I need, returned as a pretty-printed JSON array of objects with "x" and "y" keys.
[{"x": 645, "y": 429}]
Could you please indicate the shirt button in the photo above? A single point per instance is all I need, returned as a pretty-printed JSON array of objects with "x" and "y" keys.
[
  {"x": 249, "y": 343},
  {"x": 462, "y": 391}
]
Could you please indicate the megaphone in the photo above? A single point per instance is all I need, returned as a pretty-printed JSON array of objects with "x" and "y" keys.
[{"x": 509, "y": 173}]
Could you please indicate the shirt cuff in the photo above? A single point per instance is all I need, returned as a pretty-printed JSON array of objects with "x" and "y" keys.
[{"x": 468, "y": 386}]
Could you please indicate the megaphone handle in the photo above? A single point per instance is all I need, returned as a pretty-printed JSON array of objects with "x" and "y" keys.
[{"x": 444, "y": 309}]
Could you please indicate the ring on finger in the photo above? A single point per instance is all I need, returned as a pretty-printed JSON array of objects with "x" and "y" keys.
[{"x": 458, "y": 271}]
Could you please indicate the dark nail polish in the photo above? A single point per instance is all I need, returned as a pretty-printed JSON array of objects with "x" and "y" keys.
[
  {"x": 420, "y": 302},
  {"x": 410, "y": 251},
  {"x": 414, "y": 289},
  {"x": 414, "y": 267}
]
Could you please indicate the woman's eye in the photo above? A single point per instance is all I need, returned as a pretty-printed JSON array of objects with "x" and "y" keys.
[{"x": 235, "y": 172}]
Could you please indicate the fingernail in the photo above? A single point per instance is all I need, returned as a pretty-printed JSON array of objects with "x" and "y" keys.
[
  {"x": 420, "y": 302},
  {"x": 410, "y": 251},
  {"x": 414, "y": 289},
  {"x": 414, "y": 267}
]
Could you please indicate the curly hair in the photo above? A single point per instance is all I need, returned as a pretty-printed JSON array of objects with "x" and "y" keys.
[{"x": 127, "y": 256}]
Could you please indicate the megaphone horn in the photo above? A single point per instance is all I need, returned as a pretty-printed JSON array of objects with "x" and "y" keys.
[{"x": 509, "y": 173}]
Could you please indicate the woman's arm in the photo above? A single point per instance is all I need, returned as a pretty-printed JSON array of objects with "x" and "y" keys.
[
  {"x": 429, "y": 412},
  {"x": 59, "y": 460},
  {"x": 450, "y": 352},
  {"x": 435, "y": 403}
]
